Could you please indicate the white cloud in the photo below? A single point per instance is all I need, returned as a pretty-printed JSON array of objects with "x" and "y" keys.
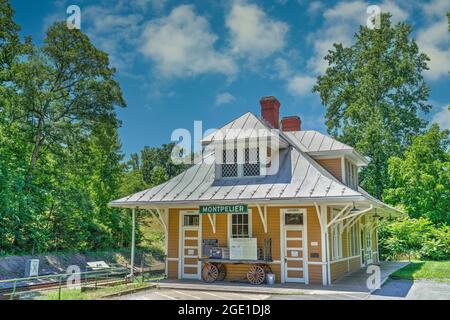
[
  {"x": 182, "y": 44},
  {"x": 340, "y": 24},
  {"x": 435, "y": 8},
  {"x": 282, "y": 68},
  {"x": 152, "y": 4},
  {"x": 253, "y": 33},
  {"x": 224, "y": 98},
  {"x": 314, "y": 7},
  {"x": 434, "y": 39},
  {"x": 113, "y": 30},
  {"x": 442, "y": 118},
  {"x": 301, "y": 85}
]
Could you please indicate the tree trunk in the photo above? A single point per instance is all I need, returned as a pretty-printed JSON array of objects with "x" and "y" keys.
[{"x": 39, "y": 139}]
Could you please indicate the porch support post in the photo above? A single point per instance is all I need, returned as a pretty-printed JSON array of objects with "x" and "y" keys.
[
  {"x": 133, "y": 232},
  {"x": 378, "y": 250},
  {"x": 324, "y": 210},
  {"x": 322, "y": 217}
]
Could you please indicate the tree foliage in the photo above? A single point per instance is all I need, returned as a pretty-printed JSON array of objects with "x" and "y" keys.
[
  {"x": 419, "y": 180},
  {"x": 414, "y": 239},
  {"x": 152, "y": 166},
  {"x": 373, "y": 92},
  {"x": 60, "y": 158}
]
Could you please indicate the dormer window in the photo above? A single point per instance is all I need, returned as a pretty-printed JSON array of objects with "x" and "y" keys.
[
  {"x": 229, "y": 163},
  {"x": 251, "y": 165},
  {"x": 232, "y": 168},
  {"x": 351, "y": 174}
]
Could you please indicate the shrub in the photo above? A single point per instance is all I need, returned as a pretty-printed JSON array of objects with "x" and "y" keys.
[
  {"x": 414, "y": 239},
  {"x": 437, "y": 246}
]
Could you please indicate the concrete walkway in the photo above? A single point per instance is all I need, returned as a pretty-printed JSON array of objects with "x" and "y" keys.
[{"x": 352, "y": 284}]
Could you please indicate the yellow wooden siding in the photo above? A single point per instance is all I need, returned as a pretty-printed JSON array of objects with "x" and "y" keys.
[
  {"x": 173, "y": 236},
  {"x": 239, "y": 271},
  {"x": 314, "y": 235},
  {"x": 172, "y": 269},
  {"x": 338, "y": 269},
  {"x": 315, "y": 274},
  {"x": 355, "y": 264}
]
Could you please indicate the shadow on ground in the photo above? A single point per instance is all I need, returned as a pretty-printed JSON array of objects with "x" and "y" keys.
[{"x": 395, "y": 288}]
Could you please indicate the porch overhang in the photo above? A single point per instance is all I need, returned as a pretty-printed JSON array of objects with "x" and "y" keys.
[{"x": 263, "y": 201}]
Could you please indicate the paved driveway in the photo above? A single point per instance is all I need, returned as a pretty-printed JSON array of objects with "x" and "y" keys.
[
  {"x": 413, "y": 290},
  {"x": 172, "y": 294},
  {"x": 392, "y": 290},
  {"x": 351, "y": 287}
]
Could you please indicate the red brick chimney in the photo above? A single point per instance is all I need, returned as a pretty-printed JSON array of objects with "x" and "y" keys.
[
  {"x": 291, "y": 123},
  {"x": 270, "y": 110}
]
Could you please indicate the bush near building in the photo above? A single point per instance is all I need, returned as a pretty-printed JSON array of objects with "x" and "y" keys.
[{"x": 411, "y": 239}]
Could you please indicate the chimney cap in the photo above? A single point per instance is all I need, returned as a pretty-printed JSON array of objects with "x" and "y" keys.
[
  {"x": 267, "y": 98},
  {"x": 270, "y": 107},
  {"x": 290, "y": 117},
  {"x": 291, "y": 123}
]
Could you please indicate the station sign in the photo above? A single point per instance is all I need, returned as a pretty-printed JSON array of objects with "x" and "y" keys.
[{"x": 228, "y": 208}]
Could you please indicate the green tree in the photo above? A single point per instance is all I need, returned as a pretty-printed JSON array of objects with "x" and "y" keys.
[
  {"x": 373, "y": 91},
  {"x": 67, "y": 87},
  {"x": 156, "y": 164},
  {"x": 16, "y": 211},
  {"x": 420, "y": 179}
]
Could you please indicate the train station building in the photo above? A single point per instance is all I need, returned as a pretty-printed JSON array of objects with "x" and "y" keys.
[{"x": 268, "y": 199}]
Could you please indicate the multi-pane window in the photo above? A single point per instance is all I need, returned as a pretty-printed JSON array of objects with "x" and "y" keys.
[
  {"x": 239, "y": 225},
  {"x": 251, "y": 165},
  {"x": 336, "y": 243},
  {"x": 351, "y": 174},
  {"x": 293, "y": 219},
  {"x": 191, "y": 220},
  {"x": 229, "y": 164},
  {"x": 232, "y": 168},
  {"x": 369, "y": 243},
  {"x": 353, "y": 239}
]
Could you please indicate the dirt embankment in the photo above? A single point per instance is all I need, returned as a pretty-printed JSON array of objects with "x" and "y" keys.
[{"x": 14, "y": 266}]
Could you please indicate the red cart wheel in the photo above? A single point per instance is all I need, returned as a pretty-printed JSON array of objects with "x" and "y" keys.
[
  {"x": 256, "y": 275},
  {"x": 222, "y": 271},
  {"x": 210, "y": 272}
]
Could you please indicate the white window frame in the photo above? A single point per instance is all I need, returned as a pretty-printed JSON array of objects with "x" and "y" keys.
[
  {"x": 250, "y": 225},
  {"x": 240, "y": 149},
  {"x": 351, "y": 173},
  {"x": 336, "y": 239},
  {"x": 353, "y": 239}
]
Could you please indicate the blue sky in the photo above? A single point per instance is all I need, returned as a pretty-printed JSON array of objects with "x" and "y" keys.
[{"x": 211, "y": 60}]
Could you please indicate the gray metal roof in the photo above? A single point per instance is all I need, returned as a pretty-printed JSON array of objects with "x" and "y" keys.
[
  {"x": 314, "y": 141},
  {"x": 245, "y": 127},
  {"x": 299, "y": 178}
]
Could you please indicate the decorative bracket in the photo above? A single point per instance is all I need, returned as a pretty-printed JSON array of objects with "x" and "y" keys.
[
  {"x": 212, "y": 220},
  {"x": 263, "y": 215}
]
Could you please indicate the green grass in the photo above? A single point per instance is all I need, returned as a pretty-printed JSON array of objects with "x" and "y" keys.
[
  {"x": 74, "y": 294},
  {"x": 424, "y": 270}
]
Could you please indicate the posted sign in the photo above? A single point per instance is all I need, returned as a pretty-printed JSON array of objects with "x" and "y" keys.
[{"x": 232, "y": 208}]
